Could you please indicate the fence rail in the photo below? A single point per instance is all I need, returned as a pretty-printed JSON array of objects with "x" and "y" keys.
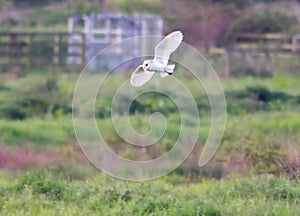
[
  {"x": 260, "y": 53},
  {"x": 264, "y": 43},
  {"x": 40, "y": 49}
]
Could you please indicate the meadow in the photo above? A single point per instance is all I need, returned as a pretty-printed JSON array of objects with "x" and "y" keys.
[
  {"x": 42, "y": 193},
  {"x": 44, "y": 171},
  {"x": 256, "y": 170}
]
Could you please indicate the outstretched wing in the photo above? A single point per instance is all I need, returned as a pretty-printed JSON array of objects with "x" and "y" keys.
[
  {"x": 139, "y": 77},
  {"x": 166, "y": 46}
]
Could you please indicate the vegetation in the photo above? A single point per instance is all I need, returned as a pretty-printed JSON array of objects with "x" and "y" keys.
[
  {"x": 255, "y": 122},
  {"x": 47, "y": 194},
  {"x": 265, "y": 21},
  {"x": 217, "y": 21},
  {"x": 256, "y": 170}
]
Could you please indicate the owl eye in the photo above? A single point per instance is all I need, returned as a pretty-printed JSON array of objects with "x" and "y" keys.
[{"x": 146, "y": 65}]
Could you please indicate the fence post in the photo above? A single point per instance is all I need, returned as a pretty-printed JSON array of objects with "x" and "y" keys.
[
  {"x": 268, "y": 57},
  {"x": 10, "y": 55},
  {"x": 83, "y": 47},
  {"x": 29, "y": 50},
  {"x": 56, "y": 50},
  {"x": 227, "y": 62}
]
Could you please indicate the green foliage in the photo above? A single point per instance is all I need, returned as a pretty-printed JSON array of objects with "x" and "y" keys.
[
  {"x": 33, "y": 3},
  {"x": 282, "y": 82},
  {"x": 264, "y": 129},
  {"x": 38, "y": 99},
  {"x": 5, "y": 4},
  {"x": 41, "y": 183},
  {"x": 35, "y": 131},
  {"x": 255, "y": 107},
  {"x": 131, "y": 6},
  {"x": 13, "y": 111},
  {"x": 258, "y": 98},
  {"x": 263, "y": 115},
  {"x": 229, "y": 17},
  {"x": 153, "y": 102},
  {"x": 266, "y": 161},
  {"x": 48, "y": 16},
  {"x": 41, "y": 193},
  {"x": 191, "y": 170},
  {"x": 3, "y": 87},
  {"x": 264, "y": 21},
  {"x": 245, "y": 3}
]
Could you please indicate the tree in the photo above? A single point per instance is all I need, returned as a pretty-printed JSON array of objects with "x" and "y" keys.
[{"x": 203, "y": 22}]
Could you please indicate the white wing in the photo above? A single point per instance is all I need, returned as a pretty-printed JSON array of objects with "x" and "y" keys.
[
  {"x": 139, "y": 77},
  {"x": 166, "y": 46}
]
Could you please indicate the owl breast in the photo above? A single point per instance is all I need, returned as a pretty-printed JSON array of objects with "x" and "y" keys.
[{"x": 157, "y": 67}]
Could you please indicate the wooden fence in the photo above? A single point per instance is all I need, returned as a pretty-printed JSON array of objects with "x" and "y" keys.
[
  {"x": 40, "y": 49},
  {"x": 61, "y": 49},
  {"x": 260, "y": 52},
  {"x": 262, "y": 43}
]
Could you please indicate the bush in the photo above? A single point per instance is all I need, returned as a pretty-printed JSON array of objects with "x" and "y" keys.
[
  {"x": 38, "y": 99},
  {"x": 42, "y": 183},
  {"x": 13, "y": 111},
  {"x": 264, "y": 21},
  {"x": 255, "y": 98},
  {"x": 48, "y": 16},
  {"x": 33, "y": 2},
  {"x": 243, "y": 4}
]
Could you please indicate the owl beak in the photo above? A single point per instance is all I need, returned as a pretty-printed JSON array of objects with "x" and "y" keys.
[{"x": 139, "y": 69}]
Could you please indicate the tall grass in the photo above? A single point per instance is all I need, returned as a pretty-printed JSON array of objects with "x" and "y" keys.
[
  {"x": 36, "y": 131},
  {"x": 47, "y": 194}
]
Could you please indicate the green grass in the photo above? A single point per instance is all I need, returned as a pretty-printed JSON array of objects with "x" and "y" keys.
[
  {"x": 257, "y": 130},
  {"x": 55, "y": 17},
  {"x": 36, "y": 131},
  {"x": 41, "y": 193},
  {"x": 264, "y": 129},
  {"x": 256, "y": 123},
  {"x": 279, "y": 82}
]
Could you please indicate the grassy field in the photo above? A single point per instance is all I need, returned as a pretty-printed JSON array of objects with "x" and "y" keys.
[
  {"x": 41, "y": 193},
  {"x": 45, "y": 173},
  {"x": 256, "y": 170}
]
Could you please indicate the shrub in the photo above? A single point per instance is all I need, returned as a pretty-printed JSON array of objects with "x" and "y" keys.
[
  {"x": 263, "y": 21},
  {"x": 255, "y": 98},
  {"x": 13, "y": 111},
  {"x": 43, "y": 183},
  {"x": 33, "y": 2},
  {"x": 38, "y": 99}
]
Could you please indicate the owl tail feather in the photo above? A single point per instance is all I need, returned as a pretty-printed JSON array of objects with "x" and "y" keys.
[{"x": 169, "y": 69}]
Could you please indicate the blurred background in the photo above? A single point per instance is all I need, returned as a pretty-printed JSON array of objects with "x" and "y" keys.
[{"x": 254, "y": 46}]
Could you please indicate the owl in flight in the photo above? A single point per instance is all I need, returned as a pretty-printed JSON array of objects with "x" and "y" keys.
[{"x": 159, "y": 64}]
